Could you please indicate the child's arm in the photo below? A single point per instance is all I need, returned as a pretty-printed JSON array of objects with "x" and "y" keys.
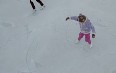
[
  {"x": 93, "y": 29},
  {"x": 72, "y": 18}
]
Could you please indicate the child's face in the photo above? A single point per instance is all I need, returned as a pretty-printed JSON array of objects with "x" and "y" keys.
[{"x": 81, "y": 19}]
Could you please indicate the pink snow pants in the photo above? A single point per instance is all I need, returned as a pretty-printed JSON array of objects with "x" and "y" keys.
[{"x": 87, "y": 37}]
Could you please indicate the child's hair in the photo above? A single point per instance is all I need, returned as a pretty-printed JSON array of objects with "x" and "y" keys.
[{"x": 81, "y": 18}]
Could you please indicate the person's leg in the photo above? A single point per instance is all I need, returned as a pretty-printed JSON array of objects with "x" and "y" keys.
[
  {"x": 87, "y": 38},
  {"x": 32, "y": 4},
  {"x": 80, "y": 36},
  {"x": 41, "y": 3}
]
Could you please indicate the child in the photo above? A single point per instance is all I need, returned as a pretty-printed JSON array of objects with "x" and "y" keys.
[
  {"x": 85, "y": 28},
  {"x": 39, "y": 1}
]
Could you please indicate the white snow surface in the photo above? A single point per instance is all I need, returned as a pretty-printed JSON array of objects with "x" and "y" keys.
[{"x": 45, "y": 43}]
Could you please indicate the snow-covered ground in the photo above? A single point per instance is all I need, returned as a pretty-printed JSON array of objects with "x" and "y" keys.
[{"x": 45, "y": 42}]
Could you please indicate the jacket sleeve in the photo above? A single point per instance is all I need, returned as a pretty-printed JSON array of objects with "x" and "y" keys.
[
  {"x": 74, "y": 18},
  {"x": 92, "y": 28}
]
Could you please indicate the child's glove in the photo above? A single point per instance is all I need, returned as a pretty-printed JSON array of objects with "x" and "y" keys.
[
  {"x": 67, "y": 18},
  {"x": 93, "y": 35}
]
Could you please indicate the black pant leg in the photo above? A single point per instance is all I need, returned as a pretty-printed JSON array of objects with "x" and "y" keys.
[
  {"x": 32, "y": 4},
  {"x": 39, "y": 1}
]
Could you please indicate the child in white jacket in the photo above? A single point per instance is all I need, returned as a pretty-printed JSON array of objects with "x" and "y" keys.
[{"x": 85, "y": 28}]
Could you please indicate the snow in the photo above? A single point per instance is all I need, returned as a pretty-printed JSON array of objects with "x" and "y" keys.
[{"x": 45, "y": 42}]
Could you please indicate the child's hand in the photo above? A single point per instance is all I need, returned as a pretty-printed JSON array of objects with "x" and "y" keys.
[
  {"x": 67, "y": 18},
  {"x": 93, "y": 35}
]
